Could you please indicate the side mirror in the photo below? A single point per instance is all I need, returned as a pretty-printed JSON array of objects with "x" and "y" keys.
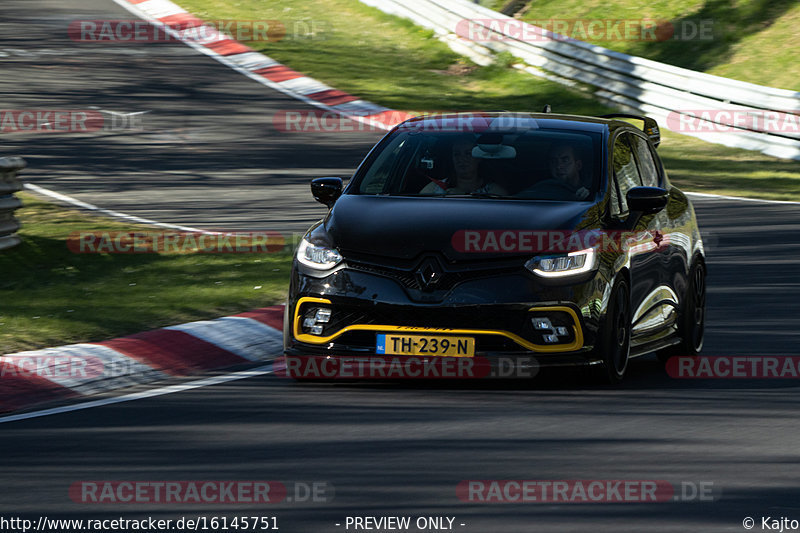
[
  {"x": 326, "y": 190},
  {"x": 647, "y": 200}
]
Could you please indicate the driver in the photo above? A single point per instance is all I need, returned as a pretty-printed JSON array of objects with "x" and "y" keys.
[{"x": 565, "y": 182}]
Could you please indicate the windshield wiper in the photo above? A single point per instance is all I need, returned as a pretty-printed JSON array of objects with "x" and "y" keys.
[{"x": 477, "y": 194}]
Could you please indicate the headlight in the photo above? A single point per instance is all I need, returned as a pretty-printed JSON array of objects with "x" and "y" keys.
[
  {"x": 563, "y": 265},
  {"x": 317, "y": 257}
]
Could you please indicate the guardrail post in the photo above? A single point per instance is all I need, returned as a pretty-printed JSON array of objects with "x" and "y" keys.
[{"x": 9, "y": 184}]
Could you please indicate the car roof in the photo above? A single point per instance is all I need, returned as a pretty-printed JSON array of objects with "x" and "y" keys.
[{"x": 519, "y": 120}]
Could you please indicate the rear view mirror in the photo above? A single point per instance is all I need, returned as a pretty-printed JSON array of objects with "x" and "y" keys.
[
  {"x": 326, "y": 190},
  {"x": 647, "y": 200},
  {"x": 490, "y": 146}
]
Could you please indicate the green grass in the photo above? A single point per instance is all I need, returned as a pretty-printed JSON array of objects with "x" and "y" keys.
[
  {"x": 710, "y": 168},
  {"x": 497, "y": 5},
  {"x": 392, "y": 62},
  {"x": 749, "y": 40},
  {"x": 52, "y": 296},
  {"x": 388, "y": 60}
]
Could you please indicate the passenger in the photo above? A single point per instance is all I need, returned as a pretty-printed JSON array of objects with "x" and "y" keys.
[{"x": 466, "y": 179}]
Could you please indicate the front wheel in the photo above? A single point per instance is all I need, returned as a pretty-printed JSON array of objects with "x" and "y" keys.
[
  {"x": 691, "y": 325},
  {"x": 615, "y": 337}
]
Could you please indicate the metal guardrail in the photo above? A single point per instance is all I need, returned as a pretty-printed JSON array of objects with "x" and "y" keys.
[
  {"x": 9, "y": 184},
  {"x": 631, "y": 83}
]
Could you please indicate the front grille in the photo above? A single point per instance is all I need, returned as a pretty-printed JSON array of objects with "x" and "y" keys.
[{"x": 452, "y": 274}]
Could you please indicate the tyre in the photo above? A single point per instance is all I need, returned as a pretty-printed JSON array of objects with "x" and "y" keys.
[
  {"x": 615, "y": 337},
  {"x": 691, "y": 324}
]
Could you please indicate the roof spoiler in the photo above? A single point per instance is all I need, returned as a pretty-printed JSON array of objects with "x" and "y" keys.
[{"x": 650, "y": 125}]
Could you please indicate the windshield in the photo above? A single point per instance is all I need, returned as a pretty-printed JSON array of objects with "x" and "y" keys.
[{"x": 532, "y": 164}]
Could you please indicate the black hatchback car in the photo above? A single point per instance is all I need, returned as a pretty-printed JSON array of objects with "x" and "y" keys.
[{"x": 502, "y": 235}]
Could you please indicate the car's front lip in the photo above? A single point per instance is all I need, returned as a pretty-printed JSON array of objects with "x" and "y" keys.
[{"x": 304, "y": 365}]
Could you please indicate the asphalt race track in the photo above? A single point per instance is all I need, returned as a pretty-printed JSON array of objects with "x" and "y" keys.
[
  {"x": 213, "y": 159},
  {"x": 205, "y": 151}
]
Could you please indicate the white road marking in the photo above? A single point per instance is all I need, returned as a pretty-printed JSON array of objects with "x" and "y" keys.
[
  {"x": 741, "y": 198},
  {"x": 119, "y": 113},
  {"x": 108, "y": 212},
  {"x": 170, "y": 389}
]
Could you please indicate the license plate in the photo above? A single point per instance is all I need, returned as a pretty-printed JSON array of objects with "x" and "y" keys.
[{"x": 425, "y": 345}]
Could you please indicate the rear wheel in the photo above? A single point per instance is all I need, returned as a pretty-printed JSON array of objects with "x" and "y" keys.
[
  {"x": 615, "y": 337},
  {"x": 691, "y": 325}
]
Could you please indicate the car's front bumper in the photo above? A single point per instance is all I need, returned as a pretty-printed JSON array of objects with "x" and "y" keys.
[{"x": 495, "y": 310}]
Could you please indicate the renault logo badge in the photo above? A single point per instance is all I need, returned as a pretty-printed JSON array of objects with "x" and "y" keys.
[{"x": 429, "y": 273}]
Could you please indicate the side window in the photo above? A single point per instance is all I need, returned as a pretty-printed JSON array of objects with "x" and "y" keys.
[
  {"x": 378, "y": 178},
  {"x": 626, "y": 175},
  {"x": 647, "y": 167}
]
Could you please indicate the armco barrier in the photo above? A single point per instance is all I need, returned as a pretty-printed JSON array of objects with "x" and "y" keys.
[
  {"x": 9, "y": 184},
  {"x": 627, "y": 82}
]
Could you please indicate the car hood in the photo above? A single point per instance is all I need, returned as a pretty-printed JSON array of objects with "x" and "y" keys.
[{"x": 404, "y": 227}]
